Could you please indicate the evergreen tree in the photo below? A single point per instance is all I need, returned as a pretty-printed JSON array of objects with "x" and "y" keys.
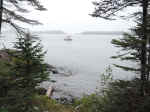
[
  {"x": 135, "y": 44},
  {"x": 11, "y": 12},
  {"x": 131, "y": 45},
  {"x": 30, "y": 62},
  {"x": 28, "y": 71}
]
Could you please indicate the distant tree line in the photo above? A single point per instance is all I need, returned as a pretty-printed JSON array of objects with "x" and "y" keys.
[{"x": 102, "y": 33}]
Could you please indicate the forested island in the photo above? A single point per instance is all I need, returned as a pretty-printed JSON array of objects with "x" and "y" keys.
[
  {"x": 102, "y": 33},
  {"x": 51, "y": 32},
  {"x": 59, "y": 32}
]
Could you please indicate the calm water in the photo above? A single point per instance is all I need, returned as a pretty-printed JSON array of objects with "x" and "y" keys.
[{"x": 86, "y": 57}]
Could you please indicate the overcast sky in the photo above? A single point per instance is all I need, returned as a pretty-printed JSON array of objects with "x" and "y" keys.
[{"x": 72, "y": 16}]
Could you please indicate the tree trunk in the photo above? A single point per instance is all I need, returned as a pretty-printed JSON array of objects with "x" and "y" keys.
[
  {"x": 148, "y": 34},
  {"x": 1, "y": 14},
  {"x": 144, "y": 49},
  {"x": 148, "y": 69}
]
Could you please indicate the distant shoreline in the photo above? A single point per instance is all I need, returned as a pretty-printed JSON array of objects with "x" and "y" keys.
[
  {"x": 60, "y": 32},
  {"x": 57, "y": 32},
  {"x": 82, "y": 33},
  {"x": 102, "y": 33}
]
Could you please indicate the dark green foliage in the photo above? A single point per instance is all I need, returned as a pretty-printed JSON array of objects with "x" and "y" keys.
[
  {"x": 29, "y": 62},
  {"x": 134, "y": 45},
  {"x": 115, "y": 96},
  {"x": 130, "y": 44},
  {"x": 121, "y": 96},
  {"x": 90, "y": 103},
  {"x": 41, "y": 91},
  {"x": 12, "y": 12},
  {"x": 3, "y": 110},
  {"x": 26, "y": 71},
  {"x": 124, "y": 96},
  {"x": 45, "y": 104},
  {"x": 108, "y": 9}
]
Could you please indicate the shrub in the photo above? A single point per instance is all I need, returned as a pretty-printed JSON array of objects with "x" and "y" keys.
[
  {"x": 44, "y": 104},
  {"x": 22, "y": 75},
  {"x": 89, "y": 103},
  {"x": 120, "y": 96}
]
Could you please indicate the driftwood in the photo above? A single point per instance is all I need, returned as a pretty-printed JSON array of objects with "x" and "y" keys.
[{"x": 50, "y": 91}]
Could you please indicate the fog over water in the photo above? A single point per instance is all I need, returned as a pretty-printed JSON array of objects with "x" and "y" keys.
[{"x": 85, "y": 57}]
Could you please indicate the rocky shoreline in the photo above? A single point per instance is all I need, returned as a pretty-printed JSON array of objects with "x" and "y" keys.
[{"x": 58, "y": 94}]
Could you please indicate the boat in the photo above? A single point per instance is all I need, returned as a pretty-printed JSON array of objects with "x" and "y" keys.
[{"x": 68, "y": 38}]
